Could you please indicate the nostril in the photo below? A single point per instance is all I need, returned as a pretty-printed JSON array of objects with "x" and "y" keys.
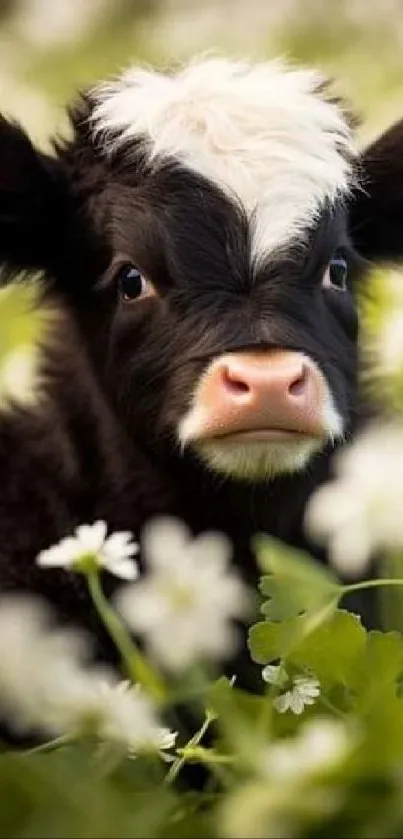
[
  {"x": 234, "y": 382},
  {"x": 298, "y": 384}
]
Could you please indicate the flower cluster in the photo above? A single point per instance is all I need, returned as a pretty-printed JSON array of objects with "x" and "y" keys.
[
  {"x": 184, "y": 606},
  {"x": 47, "y": 685}
]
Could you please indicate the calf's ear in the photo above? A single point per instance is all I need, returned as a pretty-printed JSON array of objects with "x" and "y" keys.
[
  {"x": 376, "y": 212},
  {"x": 31, "y": 202}
]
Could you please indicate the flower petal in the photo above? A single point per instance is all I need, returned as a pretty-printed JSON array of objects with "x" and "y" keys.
[
  {"x": 120, "y": 545},
  {"x": 297, "y": 703},
  {"x": 282, "y": 702},
  {"x": 125, "y": 568},
  {"x": 62, "y": 554},
  {"x": 165, "y": 542},
  {"x": 91, "y": 536}
]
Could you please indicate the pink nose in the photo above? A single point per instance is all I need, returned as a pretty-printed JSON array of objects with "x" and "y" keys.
[{"x": 262, "y": 394}]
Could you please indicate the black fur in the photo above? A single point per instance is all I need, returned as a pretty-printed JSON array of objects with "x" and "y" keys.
[{"x": 377, "y": 210}]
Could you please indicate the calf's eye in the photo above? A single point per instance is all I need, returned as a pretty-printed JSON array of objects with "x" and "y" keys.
[
  {"x": 132, "y": 284},
  {"x": 336, "y": 273}
]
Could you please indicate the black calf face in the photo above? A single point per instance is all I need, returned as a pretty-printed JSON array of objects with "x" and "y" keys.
[{"x": 184, "y": 292}]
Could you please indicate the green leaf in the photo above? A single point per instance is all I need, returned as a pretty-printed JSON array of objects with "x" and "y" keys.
[
  {"x": 378, "y": 674},
  {"x": 243, "y": 718},
  {"x": 376, "y": 682},
  {"x": 296, "y": 583},
  {"x": 269, "y": 640},
  {"x": 333, "y": 649}
]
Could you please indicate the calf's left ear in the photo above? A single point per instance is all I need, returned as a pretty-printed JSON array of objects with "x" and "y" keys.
[
  {"x": 376, "y": 211},
  {"x": 31, "y": 202}
]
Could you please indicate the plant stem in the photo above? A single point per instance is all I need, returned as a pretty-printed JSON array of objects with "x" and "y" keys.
[
  {"x": 51, "y": 745},
  {"x": 371, "y": 584},
  {"x": 194, "y": 741},
  {"x": 217, "y": 763},
  {"x": 138, "y": 668}
]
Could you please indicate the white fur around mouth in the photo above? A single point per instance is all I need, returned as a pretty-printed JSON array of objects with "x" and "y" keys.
[{"x": 258, "y": 459}]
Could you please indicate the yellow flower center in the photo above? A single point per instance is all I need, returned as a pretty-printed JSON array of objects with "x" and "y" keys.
[{"x": 86, "y": 563}]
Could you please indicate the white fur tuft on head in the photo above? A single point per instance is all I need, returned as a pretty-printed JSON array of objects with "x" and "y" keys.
[{"x": 263, "y": 132}]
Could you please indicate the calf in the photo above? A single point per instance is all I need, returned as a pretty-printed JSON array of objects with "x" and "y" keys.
[{"x": 201, "y": 235}]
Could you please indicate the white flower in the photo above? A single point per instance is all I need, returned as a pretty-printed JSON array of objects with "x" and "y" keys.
[
  {"x": 320, "y": 746},
  {"x": 275, "y": 674},
  {"x": 304, "y": 691},
  {"x": 361, "y": 511},
  {"x": 35, "y": 659},
  {"x": 185, "y": 602},
  {"x": 110, "y": 710},
  {"x": 90, "y": 548},
  {"x": 45, "y": 685},
  {"x": 128, "y": 717}
]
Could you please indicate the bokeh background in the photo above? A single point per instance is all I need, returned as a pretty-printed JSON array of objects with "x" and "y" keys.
[{"x": 49, "y": 48}]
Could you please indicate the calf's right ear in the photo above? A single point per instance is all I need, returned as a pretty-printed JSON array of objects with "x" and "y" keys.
[
  {"x": 31, "y": 202},
  {"x": 376, "y": 210}
]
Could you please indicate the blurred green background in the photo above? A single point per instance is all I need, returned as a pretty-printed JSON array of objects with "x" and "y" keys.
[{"x": 49, "y": 48}]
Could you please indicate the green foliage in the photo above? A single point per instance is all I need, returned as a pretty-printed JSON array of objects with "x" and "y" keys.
[
  {"x": 295, "y": 584},
  {"x": 90, "y": 797},
  {"x": 21, "y": 320},
  {"x": 265, "y": 773},
  {"x": 22, "y": 325}
]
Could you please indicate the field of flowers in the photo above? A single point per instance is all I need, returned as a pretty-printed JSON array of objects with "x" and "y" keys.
[{"x": 318, "y": 753}]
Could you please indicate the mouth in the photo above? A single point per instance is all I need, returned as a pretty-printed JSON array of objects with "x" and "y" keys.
[{"x": 269, "y": 435}]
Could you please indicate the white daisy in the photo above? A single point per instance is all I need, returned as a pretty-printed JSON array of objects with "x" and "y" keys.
[
  {"x": 45, "y": 685},
  {"x": 185, "y": 603},
  {"x": 90, "y": 548},
  {"x": 304, "y": 691},
  {"x": 360, "y": 512}
]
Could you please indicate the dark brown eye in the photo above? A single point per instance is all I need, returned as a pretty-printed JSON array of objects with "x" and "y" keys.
[
  {"x": 132, "y": 284},
  {"x": 336, "y": 273}
]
